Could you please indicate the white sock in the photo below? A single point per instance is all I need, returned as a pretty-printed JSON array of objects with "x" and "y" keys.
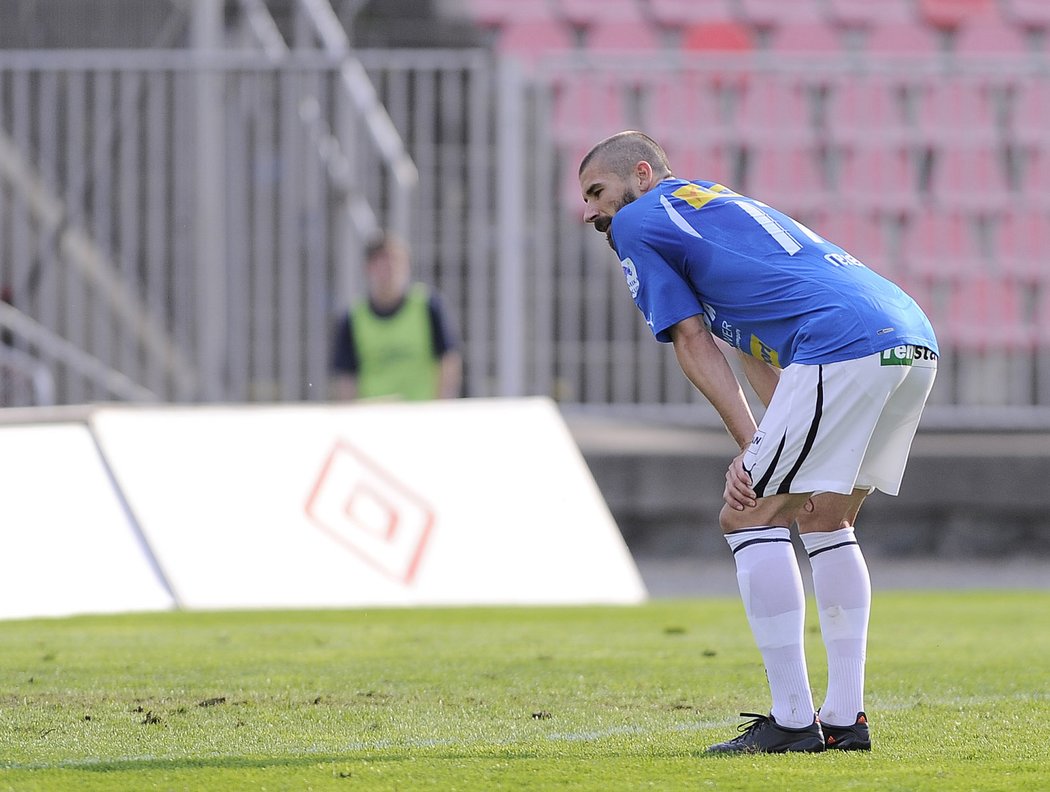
[
  {"x": 843, "y": 592},
  {"x": 771, "y": 589}
]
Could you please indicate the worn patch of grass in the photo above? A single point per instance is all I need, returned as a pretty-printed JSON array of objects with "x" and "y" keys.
[{"x": 509, "y": 698}]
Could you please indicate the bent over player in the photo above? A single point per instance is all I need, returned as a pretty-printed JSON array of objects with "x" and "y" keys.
[{"x": 844, "y": 361}]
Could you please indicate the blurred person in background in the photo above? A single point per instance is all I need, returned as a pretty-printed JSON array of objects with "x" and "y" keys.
[
  {"x": 396, "y": 342},
  {"x": 844, "y": 361}
]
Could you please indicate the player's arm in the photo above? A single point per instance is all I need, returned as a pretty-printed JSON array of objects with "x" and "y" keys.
[
  {"x": 706, "y": 367},
  {"x": 450, "y": 375},
  {"x": 762, "y": 376}
]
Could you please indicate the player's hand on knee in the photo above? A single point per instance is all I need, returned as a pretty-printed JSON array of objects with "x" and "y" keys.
[{"x": 738, "y": 493}]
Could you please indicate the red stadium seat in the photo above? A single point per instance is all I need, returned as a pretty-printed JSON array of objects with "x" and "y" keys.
[
  {"x": 587, "y": 108},
  {"x": 942, "y": 245},
  {"x": 718, "y": 37},
  {"x": 950, "y": 14}
]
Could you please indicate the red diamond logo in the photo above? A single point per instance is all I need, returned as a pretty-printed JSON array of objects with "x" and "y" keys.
[{"x": 368, "y": 511}]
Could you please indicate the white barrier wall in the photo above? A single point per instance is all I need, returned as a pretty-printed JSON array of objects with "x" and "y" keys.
[
  {"x": 66, "y": 543},
  {"x": 457, "y": 502}
]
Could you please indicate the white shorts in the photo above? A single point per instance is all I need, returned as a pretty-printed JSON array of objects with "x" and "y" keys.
[{"x": 837, "y": 427}]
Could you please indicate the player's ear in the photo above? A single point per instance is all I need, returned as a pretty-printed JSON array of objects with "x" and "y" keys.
[{"x": 643, "y": 172}]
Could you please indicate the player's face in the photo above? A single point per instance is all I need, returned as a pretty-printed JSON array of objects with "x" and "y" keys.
[{"x": 605, "y": 194}]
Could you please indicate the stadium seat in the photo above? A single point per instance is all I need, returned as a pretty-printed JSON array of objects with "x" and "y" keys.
[
  {"x": 864, "y": 107},
  {"x": 775, "y": 110},
  {"x": 496, "y": 13},
  {"x": 957, "y": 109},
  {"x": 587, "y": 107},
  {"x": 989, "y": 35},
  {"x": 986, "y": 313},
  {"x": 622, "y": 36},
  {"x": 865, "y": 13},
  {"x": 773, "y": 13},
  {"x": 1022, "y": 242},
  {"x": 1030, "y": 14},
  {"x": 529, "y": 40},
  {"x": 718, "y": 37},
  {"x": 684, "y": 107},
  {"x": 682, "y": 13},
  {"x": 970, "y": 177},
  {"x": 891, "y": 39},
  {"x": 942, "y": 244},
  {"x": 807, "y": 38},
  {"x": 881, "y": 176},
  {"x": 586, "y": 13},
  {"x": 950, "y": 14},
  {"x": 1028, "y": 119},
  {"x": 863, "y": 233},
  {"x": 789, "y": 177}
]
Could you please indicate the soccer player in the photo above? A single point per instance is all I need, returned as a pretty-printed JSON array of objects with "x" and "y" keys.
[{"x": 844, "y": 361}]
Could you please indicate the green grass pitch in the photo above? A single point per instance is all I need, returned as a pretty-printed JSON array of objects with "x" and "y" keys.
[{"x": 601, "y": 698}]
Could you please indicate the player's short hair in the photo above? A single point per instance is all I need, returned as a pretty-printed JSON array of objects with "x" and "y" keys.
[{"x": 622, "y": 151}]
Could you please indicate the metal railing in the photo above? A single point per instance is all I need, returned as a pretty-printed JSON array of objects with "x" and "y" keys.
[{"x": 100, "y": 215}]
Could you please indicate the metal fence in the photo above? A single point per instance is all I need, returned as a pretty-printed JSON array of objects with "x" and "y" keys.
[{"x": 186, "y": 228}]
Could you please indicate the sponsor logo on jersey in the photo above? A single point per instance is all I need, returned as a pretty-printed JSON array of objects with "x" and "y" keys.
[
  {"x": 631, "y": 274},
  {"x": 698, "y": 196},
  {"x": 907, "y": 355},
  {"x": 763, "y": 352}
]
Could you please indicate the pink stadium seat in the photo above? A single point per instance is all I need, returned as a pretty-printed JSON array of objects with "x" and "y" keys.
[
  {"x": 989, "y": 36},
  {"x": 863, "y": 233},
  {"x": 684, "y": 108},
  {"x": 529, "y": 40},
  {"x": 867, "y": 107},
  {"x": 788, "y": 177},
  {"x": 773, "y": 13},
  {"x": 1031, "y": 100},
  {"x": 1022, "y": 242},
  {"x": 585, "y": 13},
  {"x": 942, "y": 245},
  {"x": 901, "y": 39},
  {"x": 958, "y": 109},
  {"x": 682, "y": 13},
  {"x": 866, "y": 13},
  {"x": 774, "y": 110},
  {"x": 1031, "y": 14},
  {"x": 705, "y": 158},
  {"x": 986, "y": 313},
  {"x": 970, "y": 177},
  {"x": 587, "y": 107},
  {"x": 622, "y": 36},
  {"x": 718, "y": 37},
  {"x": 950, "y": 14},
  {"x": 495, "y": 13},
  {"x": 880, "y": 176},
  {"x": 807, "y": 38}
]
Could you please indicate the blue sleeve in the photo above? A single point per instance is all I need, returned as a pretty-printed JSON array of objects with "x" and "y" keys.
[{"x": 659, "y": 290}]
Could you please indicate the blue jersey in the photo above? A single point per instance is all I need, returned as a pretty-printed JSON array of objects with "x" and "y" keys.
[{"x": 763, "y": 282}]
